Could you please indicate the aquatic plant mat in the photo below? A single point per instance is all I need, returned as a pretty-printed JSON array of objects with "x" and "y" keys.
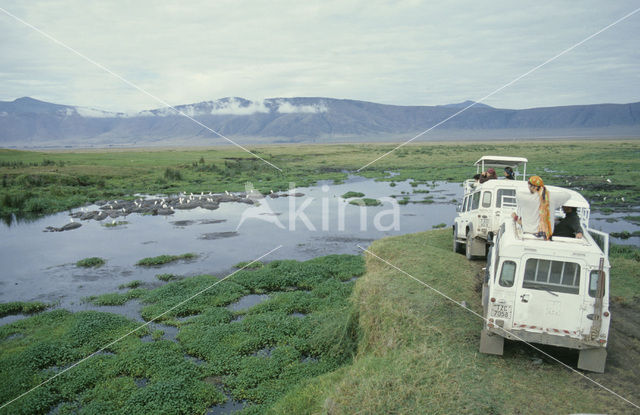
[{"x": 304, "y": 327}]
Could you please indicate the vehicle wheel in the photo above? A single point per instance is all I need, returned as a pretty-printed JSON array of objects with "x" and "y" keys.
[
  {"x": 457, "y": 246},
  {"x": 469, "y": 246}
]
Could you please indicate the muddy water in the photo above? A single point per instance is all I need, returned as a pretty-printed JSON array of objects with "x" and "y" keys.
[{"x": 41, "y": 266}]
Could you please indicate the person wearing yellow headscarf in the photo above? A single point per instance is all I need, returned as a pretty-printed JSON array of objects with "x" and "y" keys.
[{"x": 536, "y": 208}]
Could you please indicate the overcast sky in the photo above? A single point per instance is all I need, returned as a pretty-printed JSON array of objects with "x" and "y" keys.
[{"x": 403, "y": 53}]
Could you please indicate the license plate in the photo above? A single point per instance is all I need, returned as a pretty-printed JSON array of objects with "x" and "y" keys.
[{"x": 501, "y": 311}]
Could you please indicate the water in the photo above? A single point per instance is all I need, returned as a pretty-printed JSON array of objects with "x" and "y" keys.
[{"x": 41, "y": 266}]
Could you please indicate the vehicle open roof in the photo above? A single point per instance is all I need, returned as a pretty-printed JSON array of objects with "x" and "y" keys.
[{"x": 501, "y": 162}]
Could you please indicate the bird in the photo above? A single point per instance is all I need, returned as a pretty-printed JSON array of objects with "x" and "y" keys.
[
  {"x": 71, "y": 220},
  {"x": 271, "y": 191},
  {"x": 608, "y": 180},
  {"x": 622, "y": 198},
  {"x": 226, "y": 193}
]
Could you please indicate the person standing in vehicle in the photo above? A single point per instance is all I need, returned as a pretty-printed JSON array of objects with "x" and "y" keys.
[{"x": 536, "y": 208}]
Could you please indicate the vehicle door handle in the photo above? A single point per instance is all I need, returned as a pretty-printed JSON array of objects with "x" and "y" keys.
[{"x": 524, "y": 298}]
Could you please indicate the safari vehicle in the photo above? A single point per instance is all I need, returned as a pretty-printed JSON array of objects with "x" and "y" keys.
[
  {"x": 549, "y": 292},
  {"x": 485, "y": 205}
]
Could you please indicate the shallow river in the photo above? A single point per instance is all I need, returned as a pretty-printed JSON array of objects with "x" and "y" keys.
[{"x": 41, "y": 266}]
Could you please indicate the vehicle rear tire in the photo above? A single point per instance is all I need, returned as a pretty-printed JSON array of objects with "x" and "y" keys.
[
  {"x": 457, "y": 246},
  {"x": 469, "y": 246}
]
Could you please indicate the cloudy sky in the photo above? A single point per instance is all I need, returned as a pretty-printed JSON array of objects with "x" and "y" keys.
[{"x": 403, "y": 53}]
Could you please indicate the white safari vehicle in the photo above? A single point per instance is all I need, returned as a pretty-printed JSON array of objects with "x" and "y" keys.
[
  {"x": 485, "y": 205},
  {"x": 549, "y": 292}
]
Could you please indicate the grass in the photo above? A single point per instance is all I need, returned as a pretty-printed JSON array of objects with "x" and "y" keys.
[
  {"x": 249, "y": 265},
  {"x": 439, "y": 226},
  {"x": 37, "y": 183},
  {"x": 365, "y": 202},
  {"x": 22, "y": 307},
  {"x": 131, "y": 284},
  {"x": 418, "y": 352},
  {"x": 92, "y": 262},
  {"x": 163, "y": 259},
  {"x": 34, "y": 349},
  {"x": 167, "y": 277},
  {"x": 351, "y": 194}
]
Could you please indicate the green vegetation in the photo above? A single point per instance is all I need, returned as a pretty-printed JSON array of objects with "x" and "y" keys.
[
  {"x": 625, "y": 273},
  {"x": 258, "y": 359},
  {"x": 418, "y": 350},
  {"x": 22, "y": 307},
  {"x": 249, "y": 265},
  {"x": 439, "y": 226},
  {"x": 163, "y": 259},
  {"x": 115, "y": 298},
  {"x": 36, "y": 183},
  {"x": 114, "y": 224},
  {"x": 167, "y": 277},
  {"x": 131, "y": 284},
  {"x": 92, "y": 262},
  {"x": 625, "y": 234},
  {"x": 365, "y": 202},
  {"x": 352, "y": 194},
  {"x": 633, "y": 219}
]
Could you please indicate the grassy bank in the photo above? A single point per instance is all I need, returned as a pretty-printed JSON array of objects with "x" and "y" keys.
[
  {"x": 34, "y": 183},
  {"x": 418, "y": 352}
]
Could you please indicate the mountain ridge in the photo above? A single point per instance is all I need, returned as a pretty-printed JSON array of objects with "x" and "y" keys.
[{"x": 27, "y": 121}]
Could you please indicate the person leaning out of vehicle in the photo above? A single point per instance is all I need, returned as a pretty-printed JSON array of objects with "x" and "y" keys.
[{"x": 569, "y": 226}]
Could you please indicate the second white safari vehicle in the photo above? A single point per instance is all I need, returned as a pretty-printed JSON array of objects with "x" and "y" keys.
[{"x": 549, "y": 292}]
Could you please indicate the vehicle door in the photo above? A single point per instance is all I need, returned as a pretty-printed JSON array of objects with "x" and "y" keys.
[{"x": 549, "y": 296}]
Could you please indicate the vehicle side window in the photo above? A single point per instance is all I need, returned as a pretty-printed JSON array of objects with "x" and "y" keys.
[
  {"x": 507, "y": 274},
  {"x": 593, "y": 283},
  {"x": 469, "y": 203},
  {"x": 475, "y": 201},
  {"x": 560, "y": 276},
  {"x": 508, "y": 196},
  {"x": 464, "y": 204},
  {"x": 486, "y": 199}
]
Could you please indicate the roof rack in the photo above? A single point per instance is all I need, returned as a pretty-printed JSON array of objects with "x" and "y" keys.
[{"x": 501, "y": 161}]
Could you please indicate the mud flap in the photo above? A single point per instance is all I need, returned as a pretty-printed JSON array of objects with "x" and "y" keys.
[
  {"x": 491, "y": 343},
  {"x": 592, "y": 360}
]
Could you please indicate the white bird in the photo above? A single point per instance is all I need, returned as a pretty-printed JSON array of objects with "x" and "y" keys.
[
  {"x": 164, "y": 206},
  {"x": 201, "y": 193},
  {"x": 605, "y": 198},
  {"x": 622, "y": 198},
  {"x": 155, "y": 202},
  {"x": 608, "y": 180},
  {"x": 172, "y": 208},
  {"x": 71, "y": 220},
  {"x": 113, "y": 222},
  {"x": 226, "y": 193},
  {"x": 123, "y": 210},
  {"x": 271, "y": 191}
]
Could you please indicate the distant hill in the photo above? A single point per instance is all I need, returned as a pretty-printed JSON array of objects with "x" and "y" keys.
[{"x": 29, "y": 122}]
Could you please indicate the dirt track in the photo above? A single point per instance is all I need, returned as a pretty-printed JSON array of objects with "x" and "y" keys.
[{"x": 622, "y": 373}]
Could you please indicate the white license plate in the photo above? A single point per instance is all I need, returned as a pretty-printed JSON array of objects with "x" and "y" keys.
[{"x": 501, "y": 311}]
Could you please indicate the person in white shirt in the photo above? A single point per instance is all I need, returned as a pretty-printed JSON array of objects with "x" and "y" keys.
[{"x": 536, "y": 208}]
